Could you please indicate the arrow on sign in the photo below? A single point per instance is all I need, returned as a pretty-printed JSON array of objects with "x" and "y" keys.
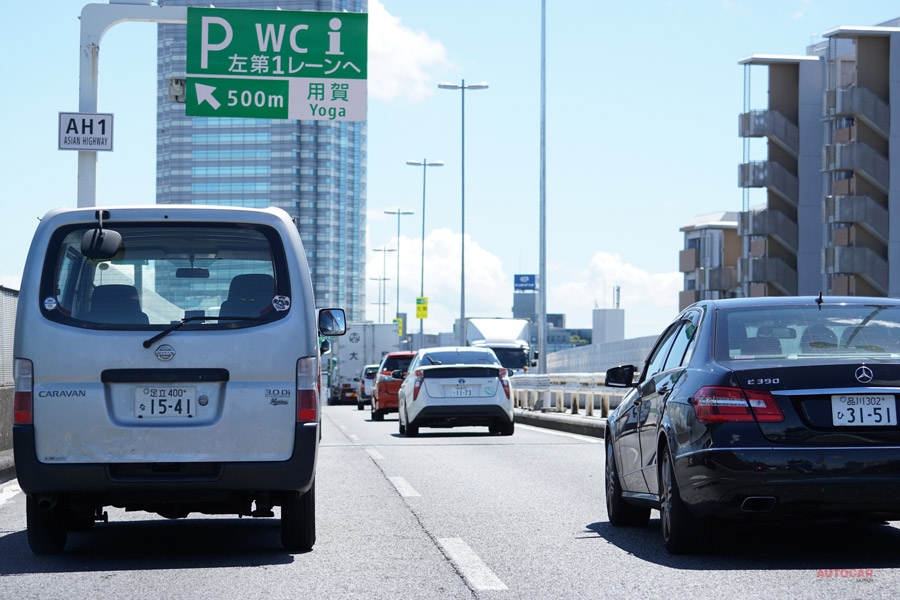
[{"x": 205, "y": 94}]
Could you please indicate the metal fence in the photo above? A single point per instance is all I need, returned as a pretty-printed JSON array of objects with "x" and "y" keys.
[
  {"x": 9, "y": 299},
  {"x": 566, "y": 392}
]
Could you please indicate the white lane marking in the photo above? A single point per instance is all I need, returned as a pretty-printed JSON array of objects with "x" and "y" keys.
[
  {"x": 354, "y": 438},
  {"x": 470, "y": 565},
  {"x": 583, "y": 438},
  {"x": 7, "y": 493},
  {"x": 375, "y": 454},
  {"x": 403, "y": 487}
]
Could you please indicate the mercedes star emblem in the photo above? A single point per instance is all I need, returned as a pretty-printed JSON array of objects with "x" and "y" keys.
[{"x": 864, "y": 374}]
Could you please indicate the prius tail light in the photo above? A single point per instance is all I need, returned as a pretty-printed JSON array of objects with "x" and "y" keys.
[
  {"x": 417, "y": 384},
  {"x": 504, "y": 381}
]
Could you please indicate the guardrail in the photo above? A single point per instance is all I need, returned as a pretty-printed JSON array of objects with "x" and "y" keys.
[{"x": 566, "y": 392}]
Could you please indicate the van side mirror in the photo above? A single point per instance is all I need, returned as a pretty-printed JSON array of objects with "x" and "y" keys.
[
  {"x": 325, "y": 347},
  {"x": 332, "y": 321},
  {"x": 622, "y": 376}
]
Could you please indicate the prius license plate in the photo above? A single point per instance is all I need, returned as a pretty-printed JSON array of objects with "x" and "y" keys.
[
  {"x": 461, "y": 391},
  {"x": 164, "y": 402},
  {"x": 869, "y": 410}
]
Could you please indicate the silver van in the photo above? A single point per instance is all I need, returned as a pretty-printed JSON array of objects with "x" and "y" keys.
[{"x": 167, "y": 359}]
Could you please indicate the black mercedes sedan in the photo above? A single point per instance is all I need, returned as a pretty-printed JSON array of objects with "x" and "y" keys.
[{"x": 759, "y": 408}]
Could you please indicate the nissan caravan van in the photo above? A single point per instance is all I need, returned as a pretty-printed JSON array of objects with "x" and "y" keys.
[{"x": 167, "y": 360}]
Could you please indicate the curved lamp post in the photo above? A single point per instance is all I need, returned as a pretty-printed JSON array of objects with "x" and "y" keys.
[{"x": 462, "y": 87}]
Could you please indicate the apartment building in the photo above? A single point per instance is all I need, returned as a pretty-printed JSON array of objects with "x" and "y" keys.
[
  {"x": 709, "y": 258},
  {"x": 829, "y": 220}
]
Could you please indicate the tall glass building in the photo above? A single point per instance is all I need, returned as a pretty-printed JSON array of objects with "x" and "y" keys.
[{"x": 315, "y": 170}]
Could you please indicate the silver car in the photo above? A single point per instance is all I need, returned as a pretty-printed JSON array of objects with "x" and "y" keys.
[{"x": 455, "y": 387}]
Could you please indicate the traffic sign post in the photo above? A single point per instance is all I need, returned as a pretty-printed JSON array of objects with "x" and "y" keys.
[
  {"x": 85, "y": 131},
  {"x": 421, "y": 307},
  {"x": 276, "y": 64}
]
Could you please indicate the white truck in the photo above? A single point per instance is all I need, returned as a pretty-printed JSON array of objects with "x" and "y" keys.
[
  {"x": 510, "y": 339},
  {"x": 364, "y": 344}
]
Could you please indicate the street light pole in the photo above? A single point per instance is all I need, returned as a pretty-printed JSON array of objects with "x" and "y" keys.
[
  {"x": 399, "y": 213},
  {"x": 462, "y": 87},
  {"x": 424, "y": 164},
  {"x": 383, "y": 291},
  {"x": 542, "y": 290}
]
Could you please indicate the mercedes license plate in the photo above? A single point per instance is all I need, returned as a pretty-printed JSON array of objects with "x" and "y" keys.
[
  {"x": 871, "y": 410},
  {"x": 164, "y": 402}
]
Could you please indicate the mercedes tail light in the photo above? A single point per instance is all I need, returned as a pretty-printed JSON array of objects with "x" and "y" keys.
[{"x": 715, "y": 404}]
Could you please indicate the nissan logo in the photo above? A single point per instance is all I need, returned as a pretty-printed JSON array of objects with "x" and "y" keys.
[
  {"x": 864, "y": 374},
  {"x": 165, "y": 352}
]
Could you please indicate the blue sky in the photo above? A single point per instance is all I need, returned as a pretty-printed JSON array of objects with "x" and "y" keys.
[{"x": 642, "y": 106}]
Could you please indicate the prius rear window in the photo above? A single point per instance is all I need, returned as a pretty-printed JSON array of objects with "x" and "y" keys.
[{"x": 210, "y": 276}]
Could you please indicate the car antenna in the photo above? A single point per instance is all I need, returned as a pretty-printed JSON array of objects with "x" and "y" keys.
[{"x": 819, "y": 300}]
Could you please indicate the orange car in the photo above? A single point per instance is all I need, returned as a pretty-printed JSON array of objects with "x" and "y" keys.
[{"x": 384, "y": 398}]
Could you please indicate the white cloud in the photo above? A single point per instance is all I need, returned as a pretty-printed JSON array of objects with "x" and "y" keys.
[
  {"x": 648, "y": 299},
  {"x": 399, "y": 58},
  {"x": 575, "y": 289}
]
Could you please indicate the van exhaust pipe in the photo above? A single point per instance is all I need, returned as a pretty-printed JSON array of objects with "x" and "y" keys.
[
  {"x": 757, "y": 504},
  {"x": 47, "y": 501}
]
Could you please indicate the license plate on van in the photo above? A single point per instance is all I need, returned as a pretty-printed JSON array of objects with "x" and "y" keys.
[{"x": 164, "y": 402}]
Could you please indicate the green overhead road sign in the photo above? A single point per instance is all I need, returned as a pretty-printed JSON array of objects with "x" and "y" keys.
[{"x": 276, "y": 64}]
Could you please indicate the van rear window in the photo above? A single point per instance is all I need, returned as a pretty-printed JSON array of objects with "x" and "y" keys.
[{"x": 209, "y": 275}]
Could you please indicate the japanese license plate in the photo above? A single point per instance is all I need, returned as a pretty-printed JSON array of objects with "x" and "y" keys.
[
  {"x": 164, "y": 402},
  {"x": 870, "y": 410},
  {"x": 461, "y": 390}
]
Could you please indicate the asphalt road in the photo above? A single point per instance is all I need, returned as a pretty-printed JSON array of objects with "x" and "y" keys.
[{"x": 450, "y": 514}]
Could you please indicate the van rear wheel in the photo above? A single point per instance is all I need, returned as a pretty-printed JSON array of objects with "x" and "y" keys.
[
  {"x": 46, "y": 527},
  {"x": 298, "y": 520}
]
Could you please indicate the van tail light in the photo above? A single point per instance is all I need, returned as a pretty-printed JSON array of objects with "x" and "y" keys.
[
  {"x": 308, "y": 377},
  {"x": 714, "y": 404},
  {"x": 417, "y": 385},
  {"x": 23, "y": 392},
  {"x": 504, "y": 380}
]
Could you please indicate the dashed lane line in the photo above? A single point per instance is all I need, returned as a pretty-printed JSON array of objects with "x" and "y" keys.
[
  {"x": 375, "y": 454},
  {"x": 403, "y": 487},
  {"x": 478, "y": 574}
]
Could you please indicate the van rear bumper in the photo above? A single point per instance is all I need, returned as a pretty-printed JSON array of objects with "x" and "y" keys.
[{"x": 296, "y": 473}]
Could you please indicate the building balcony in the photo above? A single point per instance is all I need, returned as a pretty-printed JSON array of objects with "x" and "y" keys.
[
  {"x": 688, "y": 260},
  {"x": 773, "y": 125},
  {"x": 720, "y": 279},
  {"x": 859, "y": 261},
  {"x": 770, "y": 270},
  {"x": 771, "y": 223},
  {"x": 859, "y": 103},
  {"x": 860, "y": 158},
  {"x": 863, "y": 211},
  {"x": 772, "y": 176}
]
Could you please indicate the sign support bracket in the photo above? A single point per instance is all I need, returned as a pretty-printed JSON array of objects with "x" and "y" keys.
[{"x": 96, "y": 20}]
